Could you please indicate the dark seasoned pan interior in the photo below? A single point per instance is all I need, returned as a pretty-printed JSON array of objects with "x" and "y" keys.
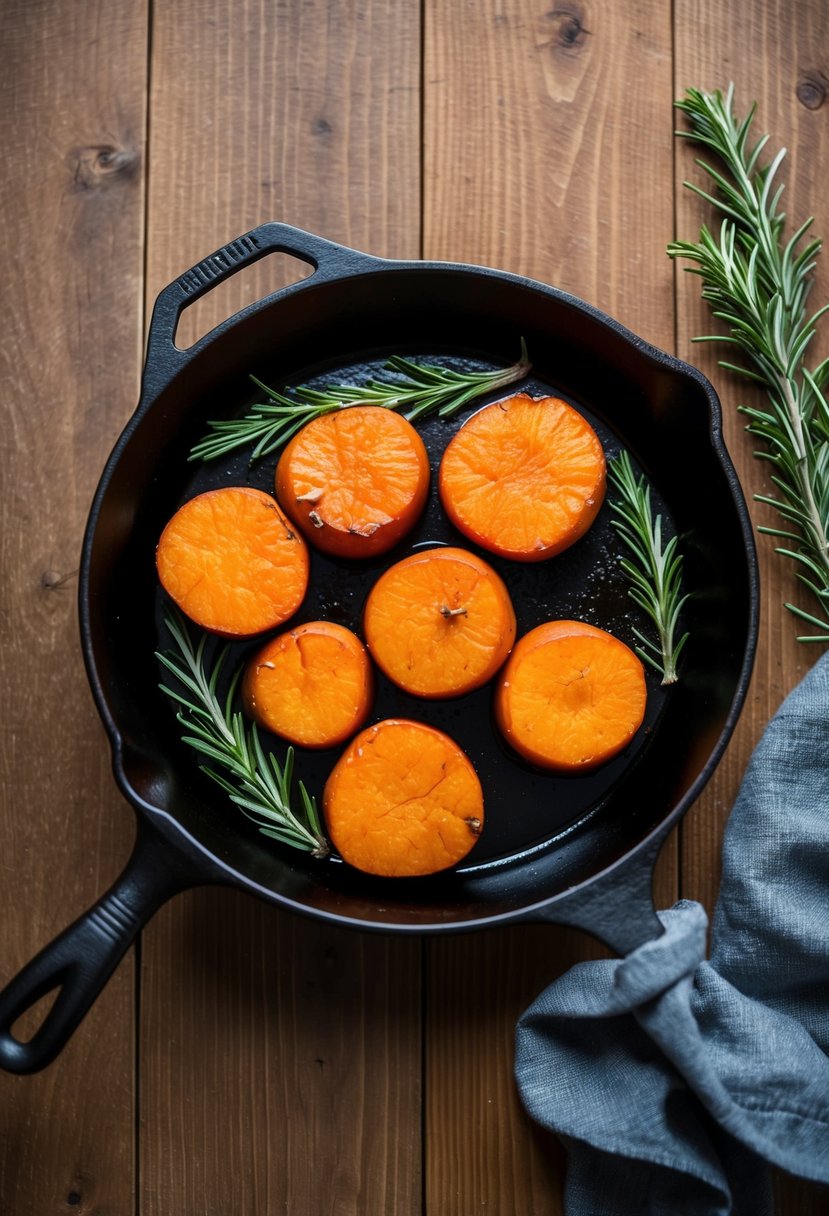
[{"x": 543, "y": 832}]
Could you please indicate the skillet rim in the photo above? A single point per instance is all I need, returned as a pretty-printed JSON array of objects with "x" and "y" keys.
[{"x": 164, "y": 363}]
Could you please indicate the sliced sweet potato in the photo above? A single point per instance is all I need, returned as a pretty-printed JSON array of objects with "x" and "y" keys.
[
  {"x": 439, "y": 623},
  {"x": 311, "y": 685},
  {"x": 232, "y": 562},
  {"x": 570, "y": 697},
  {"x": 354, "y": 481},
  {"x": 523, "y": 478},
  {"x": 403, "y": 800}
]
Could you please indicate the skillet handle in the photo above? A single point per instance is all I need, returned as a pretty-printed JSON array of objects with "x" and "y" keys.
[
  {"x": 617, "y": 907},
  {"x": 328, "y": 259},
  {"x": 80, "y": 961}
]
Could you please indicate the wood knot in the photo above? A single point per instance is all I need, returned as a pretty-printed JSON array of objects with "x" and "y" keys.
[
  {"x": 322, "y": 127},
  {"x": 811, "y": 91},
  {"x": 52, "y": 580},
  {"x": 569, "y": 32},
  {"x": 97, "y": 165}
]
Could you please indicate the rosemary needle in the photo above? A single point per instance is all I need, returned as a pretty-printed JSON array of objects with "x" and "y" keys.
[
  {"x": 655, "y": 571},
  {"x": 254, "y": 780},
  {"x": 416, "y": 388},
  {"x": 757, "y": 283}
]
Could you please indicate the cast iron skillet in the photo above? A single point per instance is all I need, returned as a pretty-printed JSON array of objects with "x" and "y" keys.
[{"x": 576, "y": 850}]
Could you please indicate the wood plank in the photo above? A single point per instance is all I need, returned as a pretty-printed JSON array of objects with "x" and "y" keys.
[
  {"x": 482, "y": 1152},
  {"x": 316, "y": 109},
  {"x": 72, "y": 114},
  {"x": 771, "y": 52},
  {"x": 292, "y": 1051},
  {"x": 535, "y": 125},
  {"x": 280, "y": 1061}
]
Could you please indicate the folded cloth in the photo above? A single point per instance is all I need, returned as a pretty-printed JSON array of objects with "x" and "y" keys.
[{"x": 675, "y": 1081}]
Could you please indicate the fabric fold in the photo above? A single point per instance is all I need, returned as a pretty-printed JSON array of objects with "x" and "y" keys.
[{"x": 673, "y": 1079}]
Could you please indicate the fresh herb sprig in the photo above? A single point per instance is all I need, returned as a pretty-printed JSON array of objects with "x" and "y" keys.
[
  {"x": 758, "y": 283},
  {"x": 654, "y": 569},
  {"x": 417, "y": 389},
  {"x": 255, "y": 781}
]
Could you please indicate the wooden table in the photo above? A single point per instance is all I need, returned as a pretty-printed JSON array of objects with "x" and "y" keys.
[{"x": 242, "y": 1060}]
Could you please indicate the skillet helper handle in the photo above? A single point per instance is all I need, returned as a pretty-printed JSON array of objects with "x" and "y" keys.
[
  {"x": 81, "y": 960},
  {"x": 617, "y": 907},
  {"x": 327, "y": 259}
]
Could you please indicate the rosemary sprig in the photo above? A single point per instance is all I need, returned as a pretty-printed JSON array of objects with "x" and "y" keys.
[
  {"x": 256, "y": 782},
  {"x": 417, "y": 389},
  {"x": 758, "y": 284},
  {"x": 655, "y": 572}
]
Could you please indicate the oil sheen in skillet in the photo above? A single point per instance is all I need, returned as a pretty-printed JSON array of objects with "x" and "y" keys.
[{"x": 526, "y": 808}]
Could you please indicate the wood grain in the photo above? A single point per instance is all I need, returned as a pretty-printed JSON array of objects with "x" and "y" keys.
[
  {"x": 303, "y": 113},
  {"x": 549, "y": 126},
  {"x": 72, "y": 106},
  {"x": 481, "y": 1152},
  {"x": 769, "y": 54},
  {"x": 278, "y": 1065},
  {"x": 280, "y": 1062},
  {"x": 776, "y": 55}
]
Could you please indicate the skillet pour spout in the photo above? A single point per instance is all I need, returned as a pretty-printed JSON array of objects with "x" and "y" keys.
[{"x": 575, "y": 850}]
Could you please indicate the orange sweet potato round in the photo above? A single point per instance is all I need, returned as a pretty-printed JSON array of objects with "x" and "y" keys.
[
  {"x": 570, "y": 697},
  {"x": 523, "y": 478},
  {"x": 354, "y": 481},
  {"x": 403, "y": 800},
  {"x": 439, "y": 623},
  {"x": 311, "y": 685},
  {"x": 232, "y": 562}
]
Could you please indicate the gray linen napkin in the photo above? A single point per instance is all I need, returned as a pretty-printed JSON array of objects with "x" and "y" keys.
[{"x": 674, "y": 1081}]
